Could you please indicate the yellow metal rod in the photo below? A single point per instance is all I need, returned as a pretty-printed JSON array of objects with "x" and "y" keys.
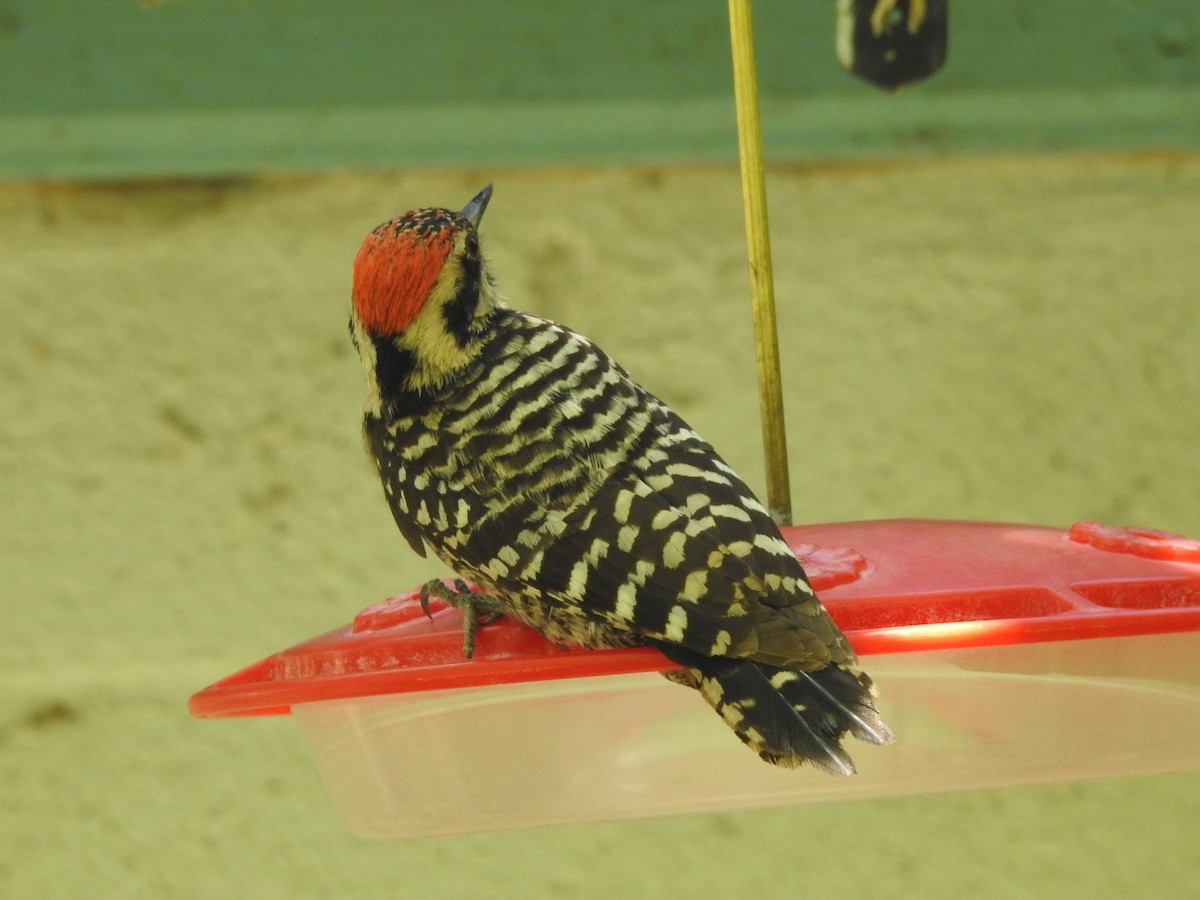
[{"x": 758, "y": 245}]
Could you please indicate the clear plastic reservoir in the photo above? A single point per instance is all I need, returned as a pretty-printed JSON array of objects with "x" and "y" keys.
[{"x": 1004, "y": 654}]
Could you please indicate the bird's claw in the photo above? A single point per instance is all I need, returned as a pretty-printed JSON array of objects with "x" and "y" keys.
[
  {"x": 477, "y": 608},
  {"x": 437, "y": 588}
]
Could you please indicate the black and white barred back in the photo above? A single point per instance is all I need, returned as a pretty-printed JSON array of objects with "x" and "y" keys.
[{"x": 535, "y": 466}]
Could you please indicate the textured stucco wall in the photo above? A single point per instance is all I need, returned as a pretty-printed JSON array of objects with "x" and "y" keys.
[{"x": 183, "y": 491}]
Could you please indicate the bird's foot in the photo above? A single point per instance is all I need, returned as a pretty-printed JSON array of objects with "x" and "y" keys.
[{"x": 478, "y": 608}]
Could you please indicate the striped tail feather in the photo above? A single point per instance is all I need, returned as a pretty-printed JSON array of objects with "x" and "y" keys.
[{"x": 790, "y": 718}]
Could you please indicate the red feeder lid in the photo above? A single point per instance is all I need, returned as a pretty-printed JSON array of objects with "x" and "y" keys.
[{"x": 892, "y": 586}]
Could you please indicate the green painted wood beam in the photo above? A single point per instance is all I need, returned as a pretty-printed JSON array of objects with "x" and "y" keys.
[{"x": 114, "y": 88}]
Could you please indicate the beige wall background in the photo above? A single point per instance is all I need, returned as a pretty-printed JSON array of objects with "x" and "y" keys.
[{"x": 184, "y": 491}]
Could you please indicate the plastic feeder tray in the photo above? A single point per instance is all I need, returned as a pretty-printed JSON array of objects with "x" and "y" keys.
[{"x": 1004, "y": 654}]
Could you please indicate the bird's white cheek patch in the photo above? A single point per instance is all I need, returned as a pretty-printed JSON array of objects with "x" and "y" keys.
[{"x": 372, "y": 399}]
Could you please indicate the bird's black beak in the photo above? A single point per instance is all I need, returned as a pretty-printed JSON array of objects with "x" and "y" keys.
[{"x": 473, "y": 211}]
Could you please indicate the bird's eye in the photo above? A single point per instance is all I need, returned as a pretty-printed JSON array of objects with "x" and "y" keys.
[{"x": 472, "y": 244}]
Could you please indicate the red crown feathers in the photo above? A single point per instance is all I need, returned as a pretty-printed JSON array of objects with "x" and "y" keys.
[{"x": 398, "y": 264}]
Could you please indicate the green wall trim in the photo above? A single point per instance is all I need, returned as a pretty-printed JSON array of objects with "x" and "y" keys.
[
  {"x": 121, "y": 88},
  {"x": 121, "y": 145}
]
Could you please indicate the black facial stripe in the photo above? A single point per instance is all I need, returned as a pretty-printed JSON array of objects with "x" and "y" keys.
[
  {"x": 392, "y": 368},
  {"x": 459, "y": 311}
]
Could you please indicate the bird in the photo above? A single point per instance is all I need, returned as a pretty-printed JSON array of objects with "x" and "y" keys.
[{"x": 580, "y": 504}]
